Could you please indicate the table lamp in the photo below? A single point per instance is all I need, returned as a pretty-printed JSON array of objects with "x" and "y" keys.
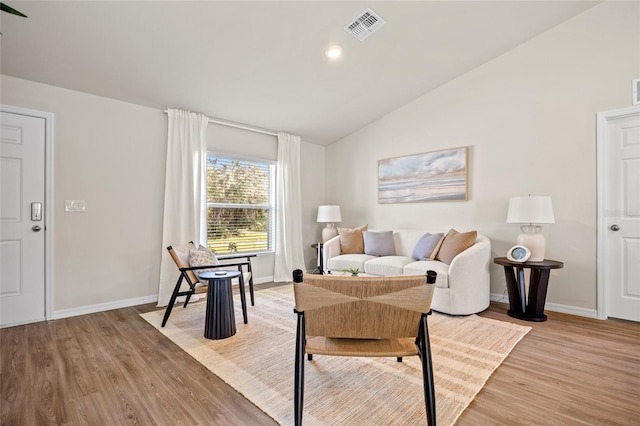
[
  {"x": 329, "y": 215},
  {"x": 531, "y": 210}
]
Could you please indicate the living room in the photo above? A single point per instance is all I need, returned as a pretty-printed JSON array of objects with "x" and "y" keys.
[
  {"x": 527, "y": 115},
  {"x": 542, "y": 96}
]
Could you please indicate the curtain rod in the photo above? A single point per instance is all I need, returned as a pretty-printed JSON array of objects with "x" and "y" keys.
[{"x": 238, "y": 125}]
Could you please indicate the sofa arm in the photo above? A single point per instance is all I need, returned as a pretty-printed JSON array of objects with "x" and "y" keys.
[
  {"x": 469, "y": 284},
  {"x": 330, "y": 249}
]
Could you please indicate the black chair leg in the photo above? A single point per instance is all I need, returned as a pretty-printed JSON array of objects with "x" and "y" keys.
[
  {"x": 399, "y": 359},
  {"x": 299, "y": 371},
  {"x": 243, "y": 297},
  {"x": 427, "y": 372},
  {"x": 186, "y": 301},
  {"x": 191, "y": 292},
  {"x": 176, "y": 290},
  {"x": 253, "y": 303}
]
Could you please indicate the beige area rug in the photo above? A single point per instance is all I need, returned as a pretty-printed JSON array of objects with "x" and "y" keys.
[{"x": 259, "y": 362}]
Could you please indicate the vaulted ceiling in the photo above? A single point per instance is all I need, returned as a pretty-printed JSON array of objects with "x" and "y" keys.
[{"x": 263, "y": 63}]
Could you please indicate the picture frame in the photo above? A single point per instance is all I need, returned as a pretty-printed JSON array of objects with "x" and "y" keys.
[{"x": 430, "y": 176}]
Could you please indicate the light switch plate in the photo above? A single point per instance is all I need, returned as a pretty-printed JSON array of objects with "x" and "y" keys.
[{"x": 74, "y": 205}]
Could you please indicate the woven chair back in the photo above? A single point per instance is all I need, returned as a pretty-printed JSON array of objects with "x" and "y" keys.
[
  {"x": 180, "y": 255},
  {"x": 363, "y": 307}
]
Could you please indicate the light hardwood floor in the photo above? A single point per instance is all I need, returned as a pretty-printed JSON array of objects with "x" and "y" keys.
[{"x": 112, "y": 368}]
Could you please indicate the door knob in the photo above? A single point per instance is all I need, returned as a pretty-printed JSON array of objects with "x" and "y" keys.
[
  {"x": 614, "y": 227},
  {"x": 36, "y": 228}
]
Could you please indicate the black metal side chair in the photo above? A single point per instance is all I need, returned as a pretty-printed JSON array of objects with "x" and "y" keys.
[
  {"x": 363, "y": 317},
  {"x": 188, "y": 283}
]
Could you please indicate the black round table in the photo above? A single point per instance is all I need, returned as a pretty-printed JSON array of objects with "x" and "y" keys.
[
  {"x": 522, "y": 307},
  {"x": 220, "y": 319}
]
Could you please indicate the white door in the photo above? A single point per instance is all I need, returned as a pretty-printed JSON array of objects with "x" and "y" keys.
[
  {"x": 22, "y": 226},
  {"x": 620, "y": 224}
]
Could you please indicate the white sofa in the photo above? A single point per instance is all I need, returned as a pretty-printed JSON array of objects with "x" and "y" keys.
[{"x": 462, "y": 288}]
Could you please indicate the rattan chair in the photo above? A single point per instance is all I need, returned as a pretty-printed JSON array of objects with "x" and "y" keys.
[
  {"x": 363, "y": 317},
  {"x": 188, "y": 283}
]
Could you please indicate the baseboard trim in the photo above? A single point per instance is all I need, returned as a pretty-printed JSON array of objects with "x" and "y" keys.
[
  {"x": 555, "y": 307},
  {"x": 263, "y": 280},
  {"x": 100, "y": 307},
  {"x": 499, "y": 297}
]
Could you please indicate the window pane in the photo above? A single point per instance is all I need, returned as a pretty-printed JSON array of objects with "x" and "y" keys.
[
  {"x": 239, "y": 215},
  {"x": 237, "y": 181},
  {"x": 237, "y": 230}
]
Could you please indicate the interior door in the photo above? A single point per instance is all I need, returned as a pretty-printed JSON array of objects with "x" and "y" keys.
[
  {"x": 622, "y": 215},
  {"x": 22, "y": 224}
]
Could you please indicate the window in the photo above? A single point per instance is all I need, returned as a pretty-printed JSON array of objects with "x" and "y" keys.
[{"x": 240, "y": 200}]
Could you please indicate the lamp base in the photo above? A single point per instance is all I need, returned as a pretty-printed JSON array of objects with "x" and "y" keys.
[
  {"x": 328, "y": 232},
  {"x": 534, "y": 241}
]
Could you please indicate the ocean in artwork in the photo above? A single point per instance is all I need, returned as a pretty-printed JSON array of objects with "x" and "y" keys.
[{"x": 433, "y": 176}]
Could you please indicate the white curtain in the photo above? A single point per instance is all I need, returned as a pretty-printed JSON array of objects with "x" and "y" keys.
[
  {"x": 185, "y": 191},
  {"x": 289, "y": 250}
]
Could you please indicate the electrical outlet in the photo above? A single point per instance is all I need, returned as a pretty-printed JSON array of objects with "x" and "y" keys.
[{"x": 74, "y": 206}]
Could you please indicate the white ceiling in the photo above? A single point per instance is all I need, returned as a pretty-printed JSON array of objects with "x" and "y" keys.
[{"x": 262, "y": 63}]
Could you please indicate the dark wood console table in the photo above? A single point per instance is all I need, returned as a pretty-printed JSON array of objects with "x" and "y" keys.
[
  {"x": 220, "y": 318},
  {"x": 522, "y": 307}
]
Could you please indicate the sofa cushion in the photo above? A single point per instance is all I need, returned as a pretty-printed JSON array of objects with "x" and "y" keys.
[
  {"x": 427, "y": 246},
  {"x": 421, "y": 268},
  {"x": 351, "y": 241},
  {"x": 455, "y": 243},
  {"x": 387, "y": 265},
  {"x": 348, "y": 261},
  {"x": 379, "y": 243}
]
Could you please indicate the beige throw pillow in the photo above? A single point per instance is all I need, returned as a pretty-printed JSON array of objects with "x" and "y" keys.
[
  {"x": 202, "y": 257},
  {"x": 351, "y": 240},
  {"x": 455, "y": 243}
]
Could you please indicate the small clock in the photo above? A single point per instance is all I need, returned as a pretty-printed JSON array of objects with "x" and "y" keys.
[{"x": 518, "y": 254}]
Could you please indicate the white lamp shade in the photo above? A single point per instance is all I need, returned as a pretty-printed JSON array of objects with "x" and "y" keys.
[
  {"x": 328, "y": 214},
  {"x": 531, "y": 209}
]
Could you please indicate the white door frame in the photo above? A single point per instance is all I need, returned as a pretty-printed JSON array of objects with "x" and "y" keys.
[
  {"x": 601, "y": 155},
  {"x": 48, "y": 200}
]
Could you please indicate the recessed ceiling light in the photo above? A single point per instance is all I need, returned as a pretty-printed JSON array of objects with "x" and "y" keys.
[{"x": 333, "y": 52}]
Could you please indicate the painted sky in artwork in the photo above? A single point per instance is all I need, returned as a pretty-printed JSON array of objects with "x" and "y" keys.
[{"x": 439, "y": 175}]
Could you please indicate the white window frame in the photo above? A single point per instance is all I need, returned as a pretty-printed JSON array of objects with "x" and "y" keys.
[{"x": 272, "y": 199}]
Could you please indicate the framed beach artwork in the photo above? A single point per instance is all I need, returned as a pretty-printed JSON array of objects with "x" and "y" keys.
[{"x": 431, "y": 176}]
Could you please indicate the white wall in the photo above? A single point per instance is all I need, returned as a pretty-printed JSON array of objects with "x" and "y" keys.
[
  {"x": 528, "y": 117},
  {"x": 112, "y": 154}
]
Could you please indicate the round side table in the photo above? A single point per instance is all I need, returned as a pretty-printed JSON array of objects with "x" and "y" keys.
[
  {"x": 220, "y": 319},
  {"x": 522, "y": 307}
]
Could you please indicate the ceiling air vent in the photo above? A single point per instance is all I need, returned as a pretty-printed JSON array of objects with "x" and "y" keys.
[{"x": 365, "y": 24}]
